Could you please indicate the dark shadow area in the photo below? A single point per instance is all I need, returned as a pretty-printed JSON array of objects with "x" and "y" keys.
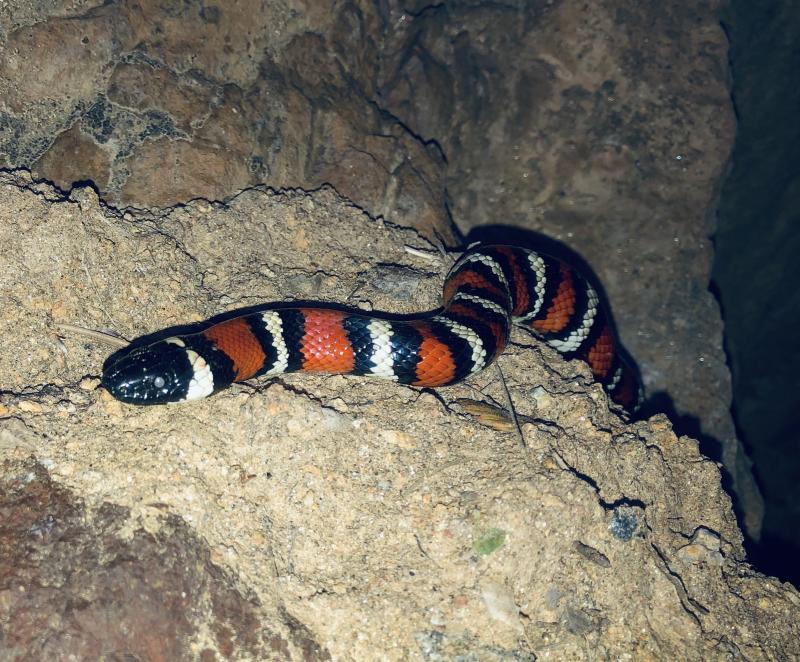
[
  {"x": 756, "y": 274},
  {"x": 80, "y": 183},
  {"x": 776, "y": 556}
]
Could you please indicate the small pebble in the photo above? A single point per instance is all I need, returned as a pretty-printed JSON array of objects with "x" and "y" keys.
[
  {"x": 592, "y": 554},
  {"x": 500, "y": 604},
  {"x": 704, "y": 547},
  {"x": 624, "y": 523},
  {"x": 339, "y": 405},
  {"x": 89, "y": 383},
  {"x": 398, "y": 438}
]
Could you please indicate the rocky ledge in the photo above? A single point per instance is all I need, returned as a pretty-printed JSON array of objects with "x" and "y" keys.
[{"x": 337, "y": 517}]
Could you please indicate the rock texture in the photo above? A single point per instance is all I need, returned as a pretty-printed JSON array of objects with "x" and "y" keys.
[
  {"x": 331, "y": 517},
  {"x": 159, "y": 103},
  {"x": 608, "y": 127},
  {"x": 88, "y": 583},
  {"x": 605, "y": 125}
]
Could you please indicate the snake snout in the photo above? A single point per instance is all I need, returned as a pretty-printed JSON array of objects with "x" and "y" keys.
[{"x": 148, "y": 375}]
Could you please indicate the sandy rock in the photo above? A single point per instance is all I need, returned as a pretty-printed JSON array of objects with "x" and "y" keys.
[
  {"x": 607, "y": 127},
  {"x": 159, "y": 104},
  {"x": 271, "y": 521}
]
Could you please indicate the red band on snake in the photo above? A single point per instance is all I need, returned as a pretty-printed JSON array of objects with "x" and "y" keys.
[{"x": 487, "y": 290}]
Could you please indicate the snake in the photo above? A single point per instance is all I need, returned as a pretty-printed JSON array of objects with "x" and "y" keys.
[{"x": 487, "y": 290}]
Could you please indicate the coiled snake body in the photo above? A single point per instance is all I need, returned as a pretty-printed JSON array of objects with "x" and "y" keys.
[{"x": 488, "y": 289}]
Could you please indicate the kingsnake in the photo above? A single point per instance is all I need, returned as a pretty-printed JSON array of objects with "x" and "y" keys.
[{"x": 487, "y": 289}]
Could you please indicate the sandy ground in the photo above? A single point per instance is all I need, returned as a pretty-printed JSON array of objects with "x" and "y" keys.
[{"x": 346, "y": 517}]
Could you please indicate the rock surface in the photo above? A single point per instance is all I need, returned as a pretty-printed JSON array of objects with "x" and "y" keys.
[
  {"x": 319, "y": 517},
  {"x": 159, "y": 103},
  {"x": 609, "y": 127},
  {"x": 605, "y": 125}
]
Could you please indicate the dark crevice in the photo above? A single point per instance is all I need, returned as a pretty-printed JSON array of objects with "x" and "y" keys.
[
  {"x": 756, "y": 272},
  {"x": 690, "y": 605}
]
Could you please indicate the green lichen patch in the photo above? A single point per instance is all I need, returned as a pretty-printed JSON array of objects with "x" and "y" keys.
[{"x": 489, "y": 541}]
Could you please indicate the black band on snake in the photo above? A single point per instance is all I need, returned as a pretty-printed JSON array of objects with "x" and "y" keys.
[{"x": 488, "y": 289}]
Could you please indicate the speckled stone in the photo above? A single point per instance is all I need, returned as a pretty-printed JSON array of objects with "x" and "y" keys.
[{"x": 311, "y": 516}]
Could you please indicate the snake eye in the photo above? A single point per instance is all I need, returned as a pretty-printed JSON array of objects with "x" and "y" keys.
[{"x": 149, "y": 374}]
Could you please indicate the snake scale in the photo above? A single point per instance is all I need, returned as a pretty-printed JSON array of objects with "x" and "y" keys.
[{"x": 487, "y": 290}]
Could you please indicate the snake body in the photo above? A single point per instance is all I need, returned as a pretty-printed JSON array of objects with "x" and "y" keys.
[{"x": 488, "y": 289}]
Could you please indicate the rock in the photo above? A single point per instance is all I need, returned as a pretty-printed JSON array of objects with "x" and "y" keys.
[
  {"x": 91, "y": 588},
  {"x": 606, "y": 127},
  {"x": 343, "y": 517},
  {"x": 500, "y": 605},
  {"x": 756, "y": 270},
  {"x": 703, "y": 548},
  {"x": 158, "y": 106}
]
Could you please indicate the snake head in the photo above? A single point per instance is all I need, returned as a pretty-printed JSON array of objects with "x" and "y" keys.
[{"x": 162, "y": 372}]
